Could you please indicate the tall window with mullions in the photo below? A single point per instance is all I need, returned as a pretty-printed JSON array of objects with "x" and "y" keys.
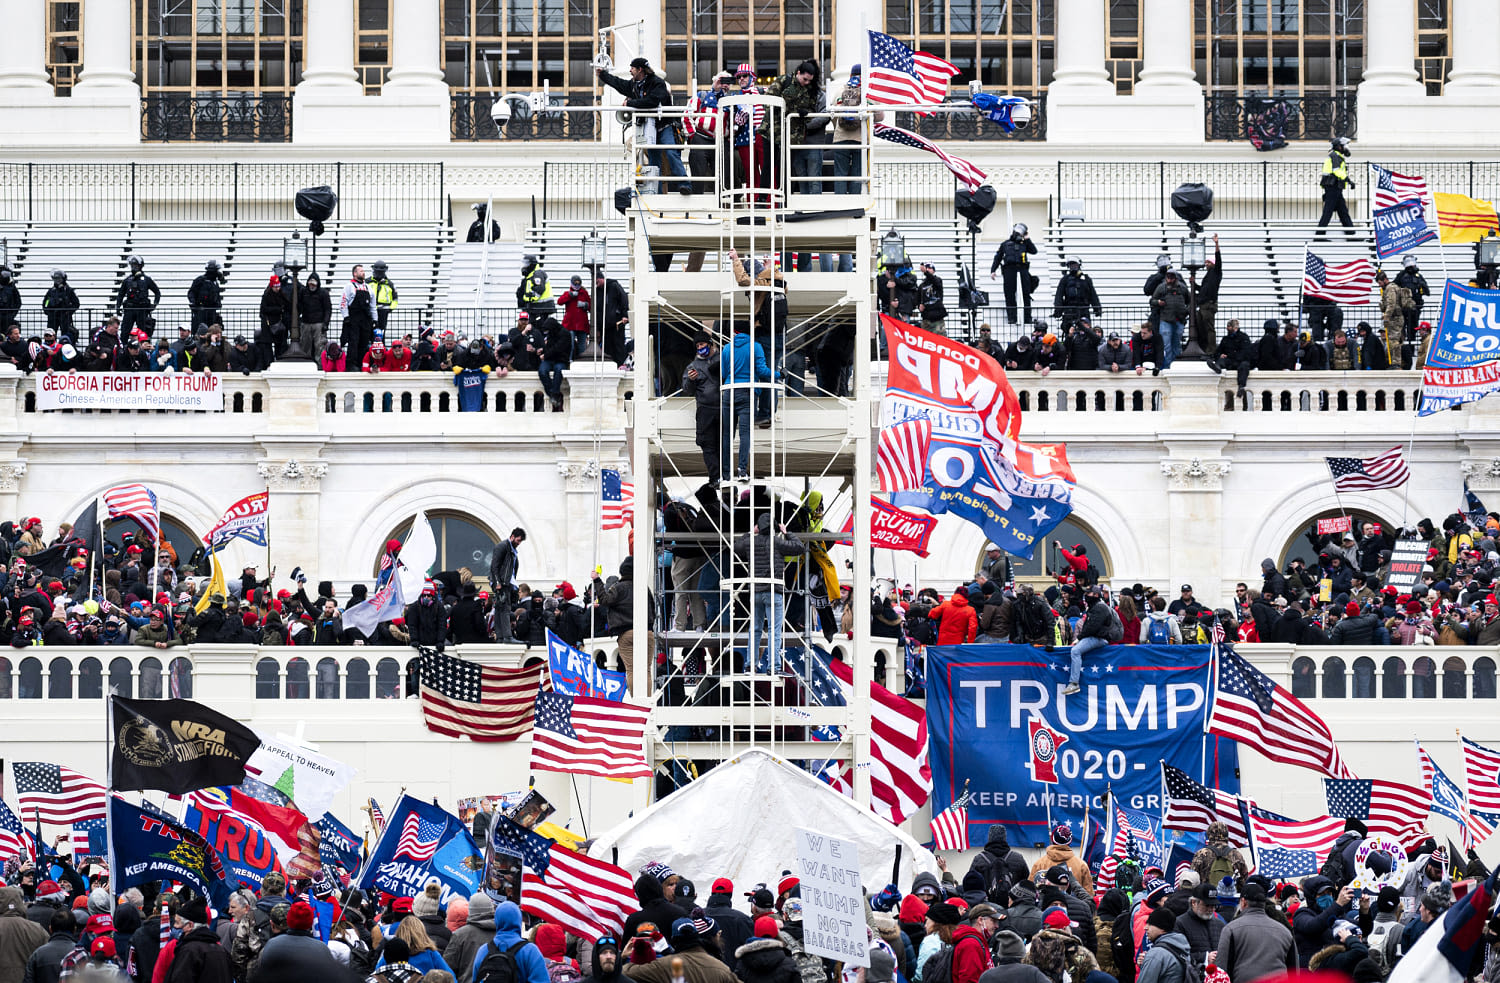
[
  {"x": 703, "y": 37},
  {"x": 1279, "y": 47},
  {"x": 1006, "y": 44}
]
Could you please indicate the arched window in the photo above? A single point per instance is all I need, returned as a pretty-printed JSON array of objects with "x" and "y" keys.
[
  {"x": 1484, "y": 678},
  {"x": 5, "y": 670},
  {"x": 122, "y": 677},
  {"x": 150, "y": 678},
  {"x": 328, "y": 679},
  {"x": 1047, "y": 561},
  {"x": 297, "y": 685},
  {"x": 1333, "y": 678},
  {"x": 357, "y": 680},
  {"x": 182, "y": 539},
  {"x": 90, "y": 679},
  {"x": 1300, "y": 546},
  {"x": 462, "y": 541},
  {"x": 1455, "y": 679},
  {"x": 1364, "y": 678},
  {"x": 59, "y": 679},
  {"x": 31, "y": 678},
  {"x": 1424, "y": 679},
  {"x": 1393, "y": 679},
  {"x": 387, "y": 679},
  {"x": 413, "y": 677},
  {"x": 181, "y": 672},
  {"x": 1304, "y": 678},
  {"x": 267, "y": 680}
]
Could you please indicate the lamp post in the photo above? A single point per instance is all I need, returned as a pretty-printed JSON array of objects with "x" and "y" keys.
[
  {"x": 1486, "y": 257},
  {"x": 595, "y": 250},
  {"x": 892, "y": 249},
  {"x": 1194, "y": 255},
  {"x": 294, "y": 258}
]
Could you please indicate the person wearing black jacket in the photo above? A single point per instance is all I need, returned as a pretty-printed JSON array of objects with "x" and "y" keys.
[
  {"x": 1268, "y": 353},
  {"x": 702, "y": 380},
  {"x": 647, "y": 90},
  {"x": 557, "y": 354},
  {"x": 504, "y": 563},
  {"x": 466, "y": 619},
  {"x": 137, "y": 298},
  {"x": 735, "y": 927},
  {"x": 1274, "y": 583},
  {"x": 210, "y": 623},
  {"x": 1082, "y": 346},
  {"x": 1206, "y": 307},
  {"x": 1076, "y": 295},
  {"x": 655, "y": 907},
  {"x": 205, "y": 296},
  {"x": 1235, "y": 352},
  {"x": 427, "y": 622},
  {"x": 1163, "y": 265},
  {"x": 1020, "y": 355},
  {"x": 999, "y": 865},
  {"x": 1012, "y": 260},
  {"x": 1146, "y": 350},
  {"x": 243, "y": 358},
  {"x": 1357, "y": 627},
  {"x": 314, "y": 311},
  {"x": 930, "y": 300},
  {"x": 61, "y": 303},
  {"x": 10, "y": 298},
  {"x": 610, "y": 313},
  {"x": 1292, "y": 629}
]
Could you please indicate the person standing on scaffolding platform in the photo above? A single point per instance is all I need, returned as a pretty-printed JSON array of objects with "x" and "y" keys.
[
  {"x": 647, "y": 90},
  {"x": 749, "y": 142}
]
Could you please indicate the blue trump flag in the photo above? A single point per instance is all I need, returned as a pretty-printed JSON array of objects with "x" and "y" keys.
[
  {"x": 243, "y": 846},
  {"x": 1401, "y": 227},
  {"x": 420, "y": 845},
  {"x": 1463, "y": 358},
  {"x": 339, "y": 844},
  {"x": 1140, "y": 705},
  {"x": 575, "y": 674},
  {"x": 146, "y": 846}
]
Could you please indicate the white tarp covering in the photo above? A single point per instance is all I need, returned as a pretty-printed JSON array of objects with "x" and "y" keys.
[{"x": 740, "y": 819}]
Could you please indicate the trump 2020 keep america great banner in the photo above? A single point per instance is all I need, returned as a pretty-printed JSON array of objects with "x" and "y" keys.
[{"x": 1140, "y": 705}]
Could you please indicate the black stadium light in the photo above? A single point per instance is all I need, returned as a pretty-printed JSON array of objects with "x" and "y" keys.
[
  {"x": 975, "y": 205},
  {"x": 1193, "y": 203}
]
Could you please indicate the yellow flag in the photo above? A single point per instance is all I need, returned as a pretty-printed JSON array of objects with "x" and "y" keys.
[
  {"x": 216, "y": 585},
  {"x": 564, "y": 837},
  {"x": 1464, "y": 219}
]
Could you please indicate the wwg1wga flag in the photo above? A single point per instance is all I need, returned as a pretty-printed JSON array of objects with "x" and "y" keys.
[
  {"x": 966, "y": 171},
  {"x": 1384, "y": 807},
  {"x": 1342, "y": 283},
  {"x": 1386, "y": 470},
  {"x": 135, "y": 502},
  {"x": 1392, "y": 189},
  {"x": 1248, "y": 707},
  {"x": 485, "y": 703},
  {"x": 59, "y": 796},
  {"x": 583, "y": 736},
  {"x": 899, "y": 76},
  {"x": 617, "y": 504}
]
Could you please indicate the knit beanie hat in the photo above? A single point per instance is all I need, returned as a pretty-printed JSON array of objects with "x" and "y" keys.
[
  {"x": 1163, "y": 919},
  {"x": 428, "y": 903}
]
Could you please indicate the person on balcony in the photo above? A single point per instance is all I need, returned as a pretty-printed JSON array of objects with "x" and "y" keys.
[
  {"x": 136, "y": 299},
  {"x": 1146, "y": 350},
  {"x": 803, "y": 92},
  {"x": 1083, "y": 346},
  {"x": 1171, "y": 301},
  {"x": 1334, "y": 180},
  {"x": 1076, "y": 295},
  {"x": 1412, "y": 279},
  {"x": 205, "y": 295},
  {"x": 702, "y": 124},
  {"x": 645, "y": 90},
  {"x": 1013, "y": 260},
  {"x": 1235, "y": 352},
  {"x": 357, "y": 307},
  {"x": 61, "y": 303},
  {"x": 314, "y": 311},
  {"x": 386, "y": 296},
  {"x": 1207, "y": 302}
]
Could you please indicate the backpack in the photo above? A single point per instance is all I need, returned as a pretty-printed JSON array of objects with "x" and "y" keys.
[
  {"x": 1221, "y": 866},
  {"x": 500, "y": 965},
  {"x": 1159, "y": 632},
  {"x": 1334, "y": 867},
  {"x": 562, "y": 971},
  {"x": 939, "y": 966},
  {"x": 1122, "y": 946},
  {"x": 361, "y": 959},
  {"x": 1191, "y": 971},
  {"x": 1030, "y": 618}
]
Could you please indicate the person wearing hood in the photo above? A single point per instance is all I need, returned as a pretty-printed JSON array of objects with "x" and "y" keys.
[
  {"x": 478, "y": 929},
  {"x": 911, "y": 917},
  {"x": 552, "y": 941},
  {"x": 735, "y": 927},
  {"x": 530, "y": 965},
  {"x": 1111, "y": 906},
  {"x": 1312, "y": 925},
  {"x": 889, "y": 932},
  {"x": 1425, "y": 872},
  {"x": 19, "y": 935},
  {"x": 1166, "y": 960},
  {"x": 127, "y": 921},
  {"x": 1024, "y": 916},
  {"x": 765, "y": 958},
  {"x": 604, "y": 961},
  {"x": 654, "y": 889},
  {"x": 1346, "y": 951},
  {"x": 1056, "y": 950},
  {"x": 50, "y": 897},
  {"x": 1060, "y": 851},
  {"x": 999, "y": 865},
  {"x": 698, "y": 964},
  {"x": 1009, "y": 948},
  {"x": 957, "y": 622}
]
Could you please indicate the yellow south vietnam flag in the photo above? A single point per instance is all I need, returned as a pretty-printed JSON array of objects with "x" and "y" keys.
[
  {"x": 1464, "y": 219},
  {"x": 216, "y": 585}
]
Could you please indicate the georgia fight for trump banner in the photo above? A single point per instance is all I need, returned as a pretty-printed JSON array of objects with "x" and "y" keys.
[
  {"x": 1463, "y": 358},
  {"x": 1140, "y": 705}
]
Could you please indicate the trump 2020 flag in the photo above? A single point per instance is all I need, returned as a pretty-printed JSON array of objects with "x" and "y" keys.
[
  {"x": 575, "y": 674},
  {"x": 421, "y": 842},
  {"x": 176, "y": 746},
  {"x": 145, "y": 845}
]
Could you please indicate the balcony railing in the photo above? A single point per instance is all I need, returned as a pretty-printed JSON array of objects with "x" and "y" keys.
[
  {"x": 972, "y": 126},
  {"x": 471, "y": 117},
  {"x": 1273, "y": 121},
  {"x": 235, "y": 117}
]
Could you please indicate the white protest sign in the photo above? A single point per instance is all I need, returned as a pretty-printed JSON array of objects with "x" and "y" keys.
[{"x": 833, "y": 907}]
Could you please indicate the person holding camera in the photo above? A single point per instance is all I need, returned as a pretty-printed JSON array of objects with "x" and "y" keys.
[
  {"x": 1012, "y": 260},
  {"x": 645, "y": 90}
]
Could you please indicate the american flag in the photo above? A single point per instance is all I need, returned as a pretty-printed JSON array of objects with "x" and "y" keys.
[
  {"x": 585, "y": 736},
  {"x": 377, "y": 818},
  {"x": 164, "y": 924},
  {"x": 617, "y": 508},
  {"x": 1386, "y": 470},
  {"x": 966, "y": 171},
  {"x": 950, "y": 828},
  {"x": 1191, "y": 805},
  {"x": 1342, "y": 283},
  {"x": 1216, "y": 634},
  {"x": 84, "y": 834},
  {"x": 486, "y": 703},
  {"x": 14, "y": 841},
  {"x": 1287, "y": 848},
  {"x": 1384, "y": 807},
  {"x": 1249, "y": 708},
  {"x": 588, "y": 897},
  {"x": 61, "y": 796},
  {"x": 901, "y": 455},
  {"x": 900, "y": 777},
  {"x": 899, "y": 76},
  {"x": 419, "y": 838},
  {"x": 1448, "y": 801},
  {"x": 136, "y": 502},
  {"x": 1392, "y": 188},
  {"x": 1482, "y": 769}
]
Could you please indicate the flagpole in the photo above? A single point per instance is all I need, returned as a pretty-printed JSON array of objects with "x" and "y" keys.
[
  {"x": 1411, "y": 441},
  {"x": 1302, "y": 286},
  {"x": 109, "y": 784},
  {"x": 579, "y": 799}
]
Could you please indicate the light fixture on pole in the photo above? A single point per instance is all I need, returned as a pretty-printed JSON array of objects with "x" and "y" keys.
[
  {"x": 294, "y": 258},
  {"x": 1487, "y": 252},
  {"x": 5, "y": 253},
  {"x": 1193, "y": 203},
  {"x": 893, "y": 249},
  {"x": 595, "y": 252}
]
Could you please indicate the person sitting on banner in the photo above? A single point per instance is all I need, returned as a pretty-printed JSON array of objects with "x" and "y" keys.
[{"x": 1101, "y": 627}]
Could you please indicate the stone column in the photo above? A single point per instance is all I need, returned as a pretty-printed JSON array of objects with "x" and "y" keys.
[
  {"x": 23, "y": 44},
  {"x": 1391, "y": 45},
  {"x": 293, "y": 509},
  {"x": 1476, "y": 47},
  {"x": 1195, "y": 501},
  {"x": 328, "y": 55},
  {"x": 1082, "y": 28},
  {"x": 851, "y": 38},
  {"x": 1168, "y": 54},
  {"x": 106, "y": 48},
  {"x": 639, "y": 35},
  {"x": 11, "y": 473},
  {"x": 416, "y": 46}
]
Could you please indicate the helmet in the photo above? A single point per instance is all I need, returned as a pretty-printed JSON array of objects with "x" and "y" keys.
[
  {"x": 1163, "y": 261},
  {"x": 1040, "y": 324},
  {"x": 1341, "y": 143},
  {"x": 212, "y": 266},
  {"x": 528, "y": 260},
  {"x": 136, "y": 262},
  {"x": 1408, "y": 261},
  {"x": 1075, "y": 261},
  {"x": 379, "y": 266},
  {"x": 1019, "y": 228},
  {"x": 59, "y": 274}
]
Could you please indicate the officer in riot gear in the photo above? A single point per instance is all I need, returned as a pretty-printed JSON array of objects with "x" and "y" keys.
[
  {"x": 1012, "y": 259},
  {"x": 385, "y": 296},
  {"x": 1076, "y": 295},
  {"x": 136, "y": 299},
  {"x": 10, "y": 298},
  {"x": 61, "y": 303},
  {"x": 1334, "y": 180},
  {"x": 205, "y": 296},
  {"x": 1412, "y": 279}
]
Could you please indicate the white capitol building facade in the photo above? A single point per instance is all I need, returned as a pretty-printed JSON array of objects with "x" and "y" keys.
[{"x": 118, "y": 131}]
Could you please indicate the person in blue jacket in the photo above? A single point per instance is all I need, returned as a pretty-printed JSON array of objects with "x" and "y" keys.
[
  {"x": 740, "y": 362},
  {"x": 530, "y": 964}
]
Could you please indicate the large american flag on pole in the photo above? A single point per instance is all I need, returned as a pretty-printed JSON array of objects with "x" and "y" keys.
[
  {"x": 1448, "y": 800},
  {"x": 135, "y": 502},
  {"x": 1384, "y": 807},
  {"x": 1342, "y": 283},
  {"x": 590, "y": 898},
  {"x": 968, "y": 174},
  {"x": 1387, "y": 470},
  {"x": 899, "y": 76},
  {"x": 1482, "y": 770},
  {"x": 57, "y": 795},
  {"x": 1191, "y": 805},
  {"x": 584, "y": 736},
  {"x": 900, "y": 776},
  {"x": 486, "y": 703},
  {"x": 1392, "y": 188},
  {"x": 1248, "y": 707},
  {"x": 1287, "y": 847}
]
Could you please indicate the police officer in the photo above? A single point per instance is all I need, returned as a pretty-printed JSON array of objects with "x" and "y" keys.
[
  {"x": 137, "y": 298},
  {"x": 1076, "y": 295},
  {"x": 1412, "y": 279},
  {"x": 477, "y": 228},
  {"x": 385, "y": 296},
  {"x": 534, "y": 295},
  {"x": 1334, "y": 180},
  {"x": 10, "y": 298},
  {"x": 930, "y": 300},
  {"x": 205, "y": 296},
  {"x": 61, "y": 303},
  {"x": 1011, "y": 259}
]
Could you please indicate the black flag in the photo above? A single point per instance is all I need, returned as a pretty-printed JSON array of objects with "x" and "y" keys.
[{"x": 177, "y": 746}]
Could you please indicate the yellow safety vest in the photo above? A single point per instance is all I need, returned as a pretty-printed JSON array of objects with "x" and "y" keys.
[
  {"x": 385, "y": 293},
  {"x": 1340, "y": 170},
  {"x": 532, "y": 296}
]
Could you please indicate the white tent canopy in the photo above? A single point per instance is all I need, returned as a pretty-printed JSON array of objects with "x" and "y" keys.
[{"x": 739, "y": 820}]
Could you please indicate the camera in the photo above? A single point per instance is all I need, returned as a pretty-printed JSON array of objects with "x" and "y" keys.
[{"x": 500, "y": 112}]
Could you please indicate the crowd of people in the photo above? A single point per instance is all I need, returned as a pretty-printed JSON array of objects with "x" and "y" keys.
[{"x": 1012, "y": 918}]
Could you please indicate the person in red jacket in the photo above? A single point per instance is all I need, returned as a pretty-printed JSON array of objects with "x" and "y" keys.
[
  {"x": 398, "y": 358},
  {"x": 971, "y": 950},
  {"x": 575, "y": 304},
  {"x": 957, "y": 622}
]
